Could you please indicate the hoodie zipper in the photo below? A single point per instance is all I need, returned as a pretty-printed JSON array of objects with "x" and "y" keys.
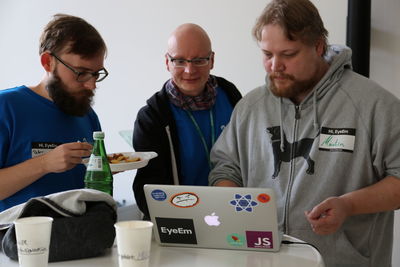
[
  {"x": 173, "y": 158},
  {"x": 297, "y": 116}
]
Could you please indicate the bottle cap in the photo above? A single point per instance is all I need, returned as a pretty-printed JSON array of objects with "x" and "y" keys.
[{"x": 98, "y": 135}]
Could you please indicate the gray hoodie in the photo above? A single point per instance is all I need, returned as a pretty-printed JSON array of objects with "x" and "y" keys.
[{"x": 343, "y": 136}]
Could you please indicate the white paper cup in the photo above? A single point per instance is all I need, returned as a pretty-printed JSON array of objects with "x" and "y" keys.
[
  {"x": 133, "y": 242},
  {"x": 33, "y": 241}
]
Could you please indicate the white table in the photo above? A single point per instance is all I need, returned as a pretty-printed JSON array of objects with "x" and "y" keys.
[
  {"x": 289, "y": 255},
  {"x": 296, "y": 255}
]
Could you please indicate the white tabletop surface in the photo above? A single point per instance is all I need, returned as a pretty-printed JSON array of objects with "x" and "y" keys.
[
  {"x": 296, "y": 255},
  {"x": 289, "y": 255}
]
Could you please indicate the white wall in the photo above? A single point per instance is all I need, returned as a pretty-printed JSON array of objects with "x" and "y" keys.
[{"x": 136, "y": 33}]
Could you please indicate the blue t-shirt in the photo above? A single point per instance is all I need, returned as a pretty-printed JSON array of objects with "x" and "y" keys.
[
  {"x": 193, "y": 158},
  {"x": 31, "y": 125}
]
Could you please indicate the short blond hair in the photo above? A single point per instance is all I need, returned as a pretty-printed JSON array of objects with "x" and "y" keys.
[{"x": 299, "y": 19}]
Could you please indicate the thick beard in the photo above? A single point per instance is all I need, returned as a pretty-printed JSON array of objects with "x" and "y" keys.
[
  {"x": 293, "y": 91},
  {"x": 67, "y": 102}
]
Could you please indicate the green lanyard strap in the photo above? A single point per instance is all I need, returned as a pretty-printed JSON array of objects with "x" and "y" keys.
[{"x": 203, "y": 140}]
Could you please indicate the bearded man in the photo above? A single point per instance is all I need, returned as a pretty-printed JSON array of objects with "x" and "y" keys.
[
  {"x": 44, "y": 128},
  {"x": 323, "y": 137}
]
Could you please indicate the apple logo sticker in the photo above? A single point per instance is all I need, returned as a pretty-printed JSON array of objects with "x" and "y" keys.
[{"x": 212, "y": 220}]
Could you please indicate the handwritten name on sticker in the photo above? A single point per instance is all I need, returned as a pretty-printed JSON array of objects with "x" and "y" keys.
[
  {"x": 158, "y": 195},
  {"x": 185, "y": 200},
  {"x": 337, "y": 139}
]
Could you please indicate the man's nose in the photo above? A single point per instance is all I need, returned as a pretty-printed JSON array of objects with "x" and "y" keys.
[
  {"x": 90, "y": 84},
  {"x": 277, "y": 65},
  {"x": 189, "y": 68}
]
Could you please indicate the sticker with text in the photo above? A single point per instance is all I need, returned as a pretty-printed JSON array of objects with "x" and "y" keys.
[
  {"x": 243, "y": 203},
  {"x": 337, "y": 139},
  {"x": 175, "y": 230},
  {"x": 40, "y": 148},
  {"x": 158, "y": 195},
  {"x": 235, "y": 240},
  {"x": 185, "y": 200},
  {"x": 257, "y": 239}
]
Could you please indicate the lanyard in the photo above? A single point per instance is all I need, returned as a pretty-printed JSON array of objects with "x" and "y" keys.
[{"x": 203, "y": 140}]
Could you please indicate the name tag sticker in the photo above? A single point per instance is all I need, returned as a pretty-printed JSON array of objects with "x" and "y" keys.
[
  {"x": 40, "y": 148},
  {"x": 337, "y": 139}
]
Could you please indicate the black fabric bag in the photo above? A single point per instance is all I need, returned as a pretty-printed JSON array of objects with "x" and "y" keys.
[{"x": 72, "y": 236}]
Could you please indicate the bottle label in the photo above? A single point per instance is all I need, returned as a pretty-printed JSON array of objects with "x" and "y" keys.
[{"x": 95, "y": 163}]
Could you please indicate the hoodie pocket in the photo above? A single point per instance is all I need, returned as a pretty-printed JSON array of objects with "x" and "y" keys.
[{"x": 336, "y": 249}]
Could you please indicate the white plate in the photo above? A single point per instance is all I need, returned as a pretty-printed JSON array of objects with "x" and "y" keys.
[{"x": 125, "y": 166}]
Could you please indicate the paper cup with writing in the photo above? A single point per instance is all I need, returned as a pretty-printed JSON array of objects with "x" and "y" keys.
[
  {"x": 133, "y": 242},
  {"x": 33, "y": 240}
]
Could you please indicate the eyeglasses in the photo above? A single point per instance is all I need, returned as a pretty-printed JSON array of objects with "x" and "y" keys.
[
  {"x": 84, "y": 76},
  {"x": 182, "y": 63}
]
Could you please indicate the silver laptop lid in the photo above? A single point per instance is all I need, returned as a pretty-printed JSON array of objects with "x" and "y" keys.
[{"x": 214, "y": 217}]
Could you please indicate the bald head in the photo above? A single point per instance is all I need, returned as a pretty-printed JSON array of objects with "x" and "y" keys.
[
  {"x": 189, "y": 41},
  {"x": 189, "y": 38}
]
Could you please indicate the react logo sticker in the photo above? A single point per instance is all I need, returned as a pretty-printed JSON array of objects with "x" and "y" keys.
[
  {"x": 158, "y": 195},
  {"x": 235, "y": 240},
  {"x": 185, "y": 200},
  {"x": 263, "y": 198},
  {"x": 243, "y": 203}
]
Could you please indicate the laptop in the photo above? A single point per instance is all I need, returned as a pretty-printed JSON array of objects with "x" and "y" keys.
[{"x": 214, "y": 217}]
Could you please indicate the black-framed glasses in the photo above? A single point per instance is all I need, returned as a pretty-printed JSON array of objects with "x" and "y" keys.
[
  {"x": 182, "y": 63},
  {"x": 84, "y": 76}
]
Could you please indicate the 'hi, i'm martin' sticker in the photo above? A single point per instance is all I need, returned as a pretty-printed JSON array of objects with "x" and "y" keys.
[{"x": 337, "y": 139}]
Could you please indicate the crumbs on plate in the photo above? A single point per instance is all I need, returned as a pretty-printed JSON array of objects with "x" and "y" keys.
[{"x": 120, "y": 158}]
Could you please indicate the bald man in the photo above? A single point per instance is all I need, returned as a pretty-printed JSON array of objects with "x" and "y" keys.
[{"x": 182, "y": 121}]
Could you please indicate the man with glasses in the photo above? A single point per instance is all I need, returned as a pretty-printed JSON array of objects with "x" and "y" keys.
[
  {"x": 182, "y": 121},
  {"x": 45, "y": 129}
]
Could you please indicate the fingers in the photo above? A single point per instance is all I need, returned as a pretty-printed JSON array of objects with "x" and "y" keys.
[
  {"x": 76, "y": 150},
  {"x": 318, "y": 211},
  {"x": 66, "y": 156},
  {"x": 327, "y": 217}
]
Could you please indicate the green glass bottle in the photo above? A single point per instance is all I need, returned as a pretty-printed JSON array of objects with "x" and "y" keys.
[{"x": 98, "y": 173}]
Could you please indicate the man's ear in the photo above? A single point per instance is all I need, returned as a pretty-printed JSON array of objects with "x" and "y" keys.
[
  {"x": 320, "y": 47},
  {"x": 46, "y": 61},
  {"x": 166, "y": 62},
  {"x": 212, "y": 60}
]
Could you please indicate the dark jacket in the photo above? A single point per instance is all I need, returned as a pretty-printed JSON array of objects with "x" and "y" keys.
[{"x": 155, "y": 130}]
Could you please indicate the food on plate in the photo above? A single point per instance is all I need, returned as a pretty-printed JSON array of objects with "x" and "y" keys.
[{"x": 120, "y": 158}]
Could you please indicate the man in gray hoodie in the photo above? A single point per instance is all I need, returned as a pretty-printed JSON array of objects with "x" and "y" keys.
[{"x": 323, "y": 137}]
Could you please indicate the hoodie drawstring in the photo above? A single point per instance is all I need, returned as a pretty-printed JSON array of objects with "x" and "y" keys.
[
  {"x": 282, "y": 146},
  {"x": 315, "y": 109}
]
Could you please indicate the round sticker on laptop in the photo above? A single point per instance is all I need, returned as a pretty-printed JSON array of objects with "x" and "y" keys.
[
  {"x": 184, "y": 200},
  {"x": 159, "y": 195},
  {"x": 263, "y": 198}
]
